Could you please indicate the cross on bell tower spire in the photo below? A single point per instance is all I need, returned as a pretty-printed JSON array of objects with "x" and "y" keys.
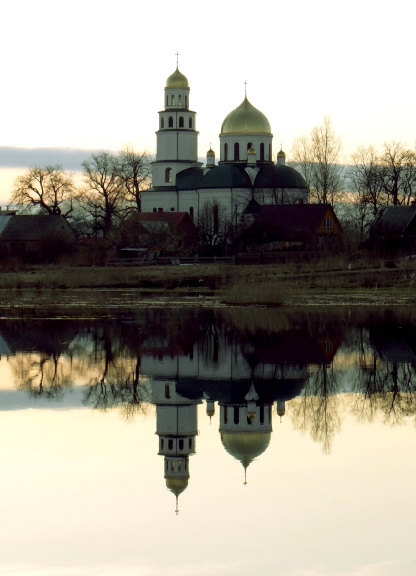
[{"x": 177, "y": 59}]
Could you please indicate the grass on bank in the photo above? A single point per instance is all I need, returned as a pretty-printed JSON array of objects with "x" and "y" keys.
[{"x": 268, "y": 285}]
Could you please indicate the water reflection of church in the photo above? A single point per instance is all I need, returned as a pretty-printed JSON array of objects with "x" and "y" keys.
[{"x": 246, "y": 381}]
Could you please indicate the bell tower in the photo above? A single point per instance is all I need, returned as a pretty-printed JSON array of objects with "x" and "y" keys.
[{"x": 177, "y": 137}]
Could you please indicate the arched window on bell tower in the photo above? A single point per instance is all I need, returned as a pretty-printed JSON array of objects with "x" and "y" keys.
[
  {"x": 262, "y": 151},
  {"x": 226, "y": 152},
  {"x": 162, "y": 122},
  {"x": 180, "y": 121},
  {"x": 170, "y": 122},
  {"x": 236, "y": 151},
  {"x": 168, "y": 175}
]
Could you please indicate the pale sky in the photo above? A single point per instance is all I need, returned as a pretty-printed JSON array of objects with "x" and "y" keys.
[{"x": 91, "y": 74}]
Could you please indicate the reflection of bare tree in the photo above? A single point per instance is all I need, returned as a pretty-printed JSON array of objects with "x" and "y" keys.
[
  {"x": 42, "y": 375},
  {"x": 317, "y": 409},
  {"x": 385, "y": 387}
]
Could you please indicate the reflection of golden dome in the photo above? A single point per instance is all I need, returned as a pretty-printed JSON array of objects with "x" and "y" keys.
[
  {"x": 245, "y": 446},
  {"x": 177, "y": 80},
  {"x": 251, "y": 151},
  {"x": 281, "y": 412},
  {"x": 245, "y": 119},
  {"x": 176, "y": 485}
]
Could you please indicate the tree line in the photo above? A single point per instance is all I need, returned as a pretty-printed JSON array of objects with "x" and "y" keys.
[
  {"x": 112, "y": 184},
  {"x": 110, "y": 190},
  {"x": 371, "y": 180}
]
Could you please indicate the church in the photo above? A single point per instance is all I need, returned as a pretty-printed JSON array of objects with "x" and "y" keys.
[{"x": 245, "y": 174}]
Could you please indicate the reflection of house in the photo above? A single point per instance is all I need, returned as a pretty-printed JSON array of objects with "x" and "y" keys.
[
  {"x": 35, "y": 234},
  {"x": 395, "y": 228},
  {"x": 280, "y": 227}
]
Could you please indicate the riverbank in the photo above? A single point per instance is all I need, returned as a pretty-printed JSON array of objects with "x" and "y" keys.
[{"x": 97, "y": 291}]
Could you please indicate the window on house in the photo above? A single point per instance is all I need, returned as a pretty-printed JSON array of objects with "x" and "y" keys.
[
  {"x": 170, "y": 122},
  {"x": 328, "y": 223},
  {"x": 191, "y": 213},
  {"x": 160, "y": 209},
  {"x": 236, "y": 151},
  {"x": 154, "y": 209},
  {"x": 172, "y": 209},
  {"x": 180, "y": 121},
  {"x": 168, "y": 175}
]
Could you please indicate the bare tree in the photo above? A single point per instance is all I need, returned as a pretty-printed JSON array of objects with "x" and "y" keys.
[
  {"x": 48, "y": 188},
  {"x": 317, "y": 159},
  {"x": 135, "y": 170},
  {"x": 104, "y": 194},
  {"x": 398, "y": 173},
  {"x": 214, "y": 226}
]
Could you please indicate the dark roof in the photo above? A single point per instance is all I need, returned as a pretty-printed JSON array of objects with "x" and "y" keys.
[
  {"x": 289, "y": 221},
  {"x": 33, "y": 227},
  {"x": 221, "y": 176},
  {"x": 276, "y": 176},
  {"x": 189, "y": 179},
  {"x": 229, "y": 175},
  {"x": 173, "y": 219},
  {"x": 393, "y": 221}
]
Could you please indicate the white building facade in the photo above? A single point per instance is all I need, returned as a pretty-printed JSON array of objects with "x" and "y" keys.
[{"x": 245, "y": 172}]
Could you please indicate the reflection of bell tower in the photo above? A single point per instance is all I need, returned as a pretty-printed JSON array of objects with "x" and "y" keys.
[
  {"x": 246, "y": 428},
  {"x": 176, "y": 426}
]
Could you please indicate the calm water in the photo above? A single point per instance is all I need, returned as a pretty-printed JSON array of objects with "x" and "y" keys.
[{"x": 210, "y": 443}]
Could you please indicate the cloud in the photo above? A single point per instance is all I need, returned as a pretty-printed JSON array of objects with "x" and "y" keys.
[{"x": 68, "y": 158}]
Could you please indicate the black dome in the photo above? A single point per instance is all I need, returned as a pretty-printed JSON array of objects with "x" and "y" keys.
[
  {"x": 189, "y": 179},
  {"x": 277, "y": 176},
  {"x": 226, "y": 176}
]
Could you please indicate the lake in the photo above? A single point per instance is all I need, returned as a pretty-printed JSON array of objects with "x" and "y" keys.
[{"x": 210, "y": 442}]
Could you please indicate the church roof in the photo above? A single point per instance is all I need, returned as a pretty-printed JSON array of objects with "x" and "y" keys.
[
  {"x": 221, "y": 176},
  {"x": 177, "y": 80},
  {"x": 245, "y": 119},
  {"x": 279, "y": 176}
]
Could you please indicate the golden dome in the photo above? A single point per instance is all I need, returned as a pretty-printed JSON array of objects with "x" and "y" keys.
[
  {"x": 245, "y": 446},
  {"x": 176, "y": 485},
  {"x": 245, "y": 119},
  {"x": 210, "y": 152},
  {"x": 177, "y": 80},
  {"x": 281, "y": 154}
]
